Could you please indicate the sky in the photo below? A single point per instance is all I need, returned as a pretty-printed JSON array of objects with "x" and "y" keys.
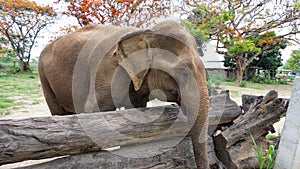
[{"x": 49, "y": 32}]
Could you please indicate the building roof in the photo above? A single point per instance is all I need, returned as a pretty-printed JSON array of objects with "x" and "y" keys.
[{"x": 211, "y": 58}]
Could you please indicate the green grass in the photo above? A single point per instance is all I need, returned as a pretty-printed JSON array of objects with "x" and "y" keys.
[
  {"x": 259, "y": 87},
  {"x": 243, "y": 84},
  {"x": 35, "y": 102},
  {"x": 234, "y": 92},
  {"x": 252, "y": 85},
  {"x": 264, "y": 161},
  {"x": 5, "y": 103},
  {"x": 270, "y": 136},
  {"x": 16, "y": 89}
]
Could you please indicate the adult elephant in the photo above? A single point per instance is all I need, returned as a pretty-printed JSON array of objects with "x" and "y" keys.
[{"x": 101, "y": 68}]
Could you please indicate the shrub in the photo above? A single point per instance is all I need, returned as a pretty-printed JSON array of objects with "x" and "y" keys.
[
  {"x": 261, "y": 80},
  {"x": 230, "y": 79},
  {"x": 215, "y": 80},
  {"x": 208, "y": 82},
  {"x": 243, "y": 84}
]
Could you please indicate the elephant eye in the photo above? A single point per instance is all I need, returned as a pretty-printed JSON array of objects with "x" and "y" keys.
[{"x": 182, "y": 71}]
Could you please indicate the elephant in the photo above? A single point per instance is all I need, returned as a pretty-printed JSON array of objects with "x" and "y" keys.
[{"x": 101, "y": 68}]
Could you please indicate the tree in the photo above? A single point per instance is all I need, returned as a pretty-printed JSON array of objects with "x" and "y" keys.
[
  {"x": 267, "y": 60},
  {"x": 21, "y": 21},
  {"x": 294, "y": 61},
  {"x": 138, "y": 13},
  {"x": 233, "y": 24}
]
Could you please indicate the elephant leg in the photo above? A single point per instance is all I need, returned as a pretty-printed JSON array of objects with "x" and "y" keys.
[
  {"x": 51, "y": 100},
  {"x": 200, "y": 149},
  {"x": 199, "y": 136}
]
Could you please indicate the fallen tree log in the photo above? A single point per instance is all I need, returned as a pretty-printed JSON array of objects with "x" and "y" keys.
[
  {"x": 45, "y": 137},
  {"x": 234, "y": 146},
  {"x": 222, "y": 108},
  {"x": 160, "y": 156}
]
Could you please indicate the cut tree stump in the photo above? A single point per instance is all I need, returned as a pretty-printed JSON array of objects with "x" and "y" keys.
[{"x": 234, "y": 146}]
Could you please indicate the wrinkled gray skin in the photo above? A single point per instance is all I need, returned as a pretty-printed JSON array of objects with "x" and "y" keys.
[{"x": 57, "y": 66}]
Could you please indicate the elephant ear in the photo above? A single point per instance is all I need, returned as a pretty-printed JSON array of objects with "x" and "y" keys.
[{"x": 133, "y": 53}]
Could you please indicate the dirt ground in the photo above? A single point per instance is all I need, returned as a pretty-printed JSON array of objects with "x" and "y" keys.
[{"x": 41, "y": 109}]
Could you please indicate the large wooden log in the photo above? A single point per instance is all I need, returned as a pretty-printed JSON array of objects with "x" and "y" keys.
[
  {"x": 234, "y": 146},
  {"x": 44, "y": 137},
  {"x": 154, "y": 155},
  {"x": 222, "y": 109}
]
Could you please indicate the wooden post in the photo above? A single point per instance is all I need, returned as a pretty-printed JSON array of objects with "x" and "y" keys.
[{"x": 289, "y": 148}]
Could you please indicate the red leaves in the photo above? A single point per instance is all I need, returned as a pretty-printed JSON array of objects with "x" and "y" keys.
[
  {"x": 118, "y": 12},
  {"x": 268, "y": 41}
]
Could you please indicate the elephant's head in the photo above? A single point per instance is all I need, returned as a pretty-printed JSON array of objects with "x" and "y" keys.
[
  {"x": 163, "y": 63},
  {"x": 163, "y": 58}
]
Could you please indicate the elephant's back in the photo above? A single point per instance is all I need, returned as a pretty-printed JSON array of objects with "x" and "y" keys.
[
  {"x": 57, "y": 62},
  {"x": 80, "y": 50}
]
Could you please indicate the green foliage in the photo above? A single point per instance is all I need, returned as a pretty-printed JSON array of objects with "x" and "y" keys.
[
  {"x": 21, "y": 22},
  {"x": 208, "y": 82},
  {"x": 245, "y": 46},
  {"x": 230, "y": 79},
  {"x": 264, "y": 161},
  {"x": 297, "y": 5},
  {"x": 261, "y": 80},
  {"x": 268, "y": 60},
  {"x": 215, "y": 80},
  {"x": 239, "y": 35},
  {"x": 270, "y": 136},
  {"x": 195, "y": 31},
  {"x": 293, "y": 62},
  {"x": 243, "y": 84}
]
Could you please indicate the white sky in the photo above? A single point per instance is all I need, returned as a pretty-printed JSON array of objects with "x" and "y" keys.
[{"x": 48, "y": 33}]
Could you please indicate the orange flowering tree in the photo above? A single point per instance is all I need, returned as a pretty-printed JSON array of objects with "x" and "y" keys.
[
  {"x": 235, "y": 26},
  {"x": 138, "y": 13},
  {"x": 20, "y": 23}
]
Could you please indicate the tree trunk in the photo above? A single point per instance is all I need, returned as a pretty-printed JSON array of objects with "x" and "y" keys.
[
  {"x": 154, "y": 155},
  {"x": 45, "y": 137},
  {"x": 234, "y": 146},
  {"x": 239, "y": 75},
  {"x": 22, "y": 66}
]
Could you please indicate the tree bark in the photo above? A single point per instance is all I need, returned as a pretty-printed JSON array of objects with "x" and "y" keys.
[
  {"x": 240, "y": 75},
  {"x": 222, "y": 109},
  {"x": 154, "y": 155},
  {"x": 22, "y": 64},
  {"x": 240, "y": 70},
  {"x": 234, "y": 146},
  {"x": 45, "y": 137}
]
